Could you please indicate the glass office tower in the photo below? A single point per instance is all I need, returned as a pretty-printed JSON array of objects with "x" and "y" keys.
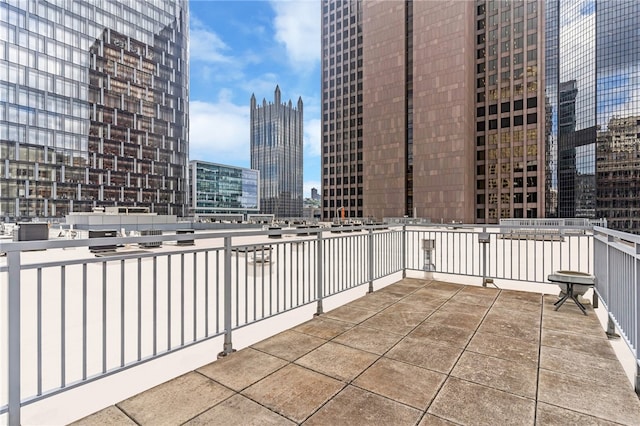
[
  {"x": 219, "y": 189},
  {"x": 618, "y": 114},
  {"x": 93, "y": 106},
  {"x": 593, "y": 107},
  {"x": 276, "y": 151}
]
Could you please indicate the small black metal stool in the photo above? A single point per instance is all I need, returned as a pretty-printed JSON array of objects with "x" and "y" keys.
[{"x": 571, "y": 278}]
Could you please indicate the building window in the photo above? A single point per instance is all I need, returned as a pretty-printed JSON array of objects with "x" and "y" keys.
[
  {"x": 517, "y": 120},
  {"x": 532, "y": 118}
]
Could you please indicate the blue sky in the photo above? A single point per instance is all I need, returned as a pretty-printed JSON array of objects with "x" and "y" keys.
[{"x": 242, "y": 47}]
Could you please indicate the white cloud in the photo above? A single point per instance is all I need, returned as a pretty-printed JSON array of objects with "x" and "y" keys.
[
  {"x": 262, "y": 86},
  {"x": 219, "y": 132},
  {"x": 312, "y": 141},
  {"x": 297, "y": 26},
  {"x": 205, "y": 45}
]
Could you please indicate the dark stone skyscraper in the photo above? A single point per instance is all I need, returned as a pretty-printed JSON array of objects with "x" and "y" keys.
[
  {"x": 430, "y": 109},
  {"x": 94, "y": 106},
  {"x": 276, "y": 151}
]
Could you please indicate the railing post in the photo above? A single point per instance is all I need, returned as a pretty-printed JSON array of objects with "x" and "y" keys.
[
  {"x": 13, "y": 263},
  {"x": 370, "y": 260},
  {"x": 319, "y": 267},
  {"x": 404, "y": 251},
  {"x": 484, "y": 239},
  {"x": 228, "y": 346}
]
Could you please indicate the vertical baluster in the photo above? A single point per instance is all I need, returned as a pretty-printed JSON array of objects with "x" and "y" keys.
[
  {"x": 139, "y": 308},
  {"x": 84, "y": 322},
  {"x": 39, "y": 330},
  {"x": 122, "y": 316}
]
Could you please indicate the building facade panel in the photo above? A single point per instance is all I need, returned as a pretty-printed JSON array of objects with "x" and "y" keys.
[
  {"x": 385, "y": 129},
  {"x": 95, "y": 101},
  {"x": 443, "y": 110}
]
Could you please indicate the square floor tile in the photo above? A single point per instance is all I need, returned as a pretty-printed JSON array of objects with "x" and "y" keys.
[
  {"x": 240, "y": 410},
  {"x": 517, "y": 350},
  {"x": 355, "y": 406},
  {"x": 109, "y": 416},
  {"x": 294, "y": 392},
  {"x": 374, "y": 301},
  {"x": 579, "y": 364},
  {"x": 324, "y": 328},
  {"x": 243, "y": 368},
  {"x": 402, "y": 382},
  {"x": 443, "y": 334},
  {"x": 351, "y": 314},
  {"x": 508, "y": 376},
  {"x": 593, "y": 346},
  {"x": 323, "y": 360},
  {"x": 425, "y": 354},
  {"x": 289, "y": 344},
  {"x": 399, "y": 322},
  {"x": 506, "y": 325},
  {"x": 588, "y": 397},
  {"x": 552, "y": 415},
  {"x": 368, "y": 339},
  {"x": 468, "y": 403},
  {"x": 175, "y": 401}
]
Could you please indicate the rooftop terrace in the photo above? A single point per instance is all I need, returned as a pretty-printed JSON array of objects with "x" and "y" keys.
[
  {"x": 140, "y": 320},
  {"x": 415, "y": 352}
]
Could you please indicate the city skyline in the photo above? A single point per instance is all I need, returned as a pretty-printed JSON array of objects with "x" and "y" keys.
[{"x": 244, "y": 47}]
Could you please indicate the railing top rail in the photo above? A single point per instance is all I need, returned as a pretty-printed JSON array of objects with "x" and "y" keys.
[
  {"x": 632, "y": 238},
  {"x": 17, "y": 246},
  {"x": 501, "y": 228}
]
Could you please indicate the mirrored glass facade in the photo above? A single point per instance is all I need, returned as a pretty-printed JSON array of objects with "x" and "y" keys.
[
  {"x": 219, "y": 189},
  {"x": 93, "y": 106},
  {"x": 276, "y": 151},
  {"x": 618, "y": 114},
  {"x": 576, "y": 109},
  {"x": 593, "y": 110}
]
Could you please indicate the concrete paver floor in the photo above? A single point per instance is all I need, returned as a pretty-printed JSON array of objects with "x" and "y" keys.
[{"x": 414, "y": 353}]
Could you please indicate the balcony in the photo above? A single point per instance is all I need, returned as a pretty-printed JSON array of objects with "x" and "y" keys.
[{"x": 405, "y": 331}]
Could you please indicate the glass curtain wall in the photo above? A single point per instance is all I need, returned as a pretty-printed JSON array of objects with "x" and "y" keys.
[{"x": 93, "y": 105}]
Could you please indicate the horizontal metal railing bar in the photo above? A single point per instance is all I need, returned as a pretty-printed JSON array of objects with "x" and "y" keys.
[
  {"x": 113, "y": 257},
  {"x": 12, "y": 246},
  {"x": 619, "y": 245},
  {"x": 632, "y": 238}
]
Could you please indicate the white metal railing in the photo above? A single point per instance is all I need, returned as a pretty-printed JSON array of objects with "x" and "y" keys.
[
  {"x": 559, "y": 222},
  {"x": 617, "y": 269},
  {"x": 94, "y": 316}
]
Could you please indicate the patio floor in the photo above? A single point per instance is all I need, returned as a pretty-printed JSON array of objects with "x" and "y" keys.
[{"x": 414, "y": 353}]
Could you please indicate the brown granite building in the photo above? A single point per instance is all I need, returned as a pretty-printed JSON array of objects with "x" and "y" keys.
[
  {"x": 426, "y": 110},
  {"x": 510, "y": 110}
]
